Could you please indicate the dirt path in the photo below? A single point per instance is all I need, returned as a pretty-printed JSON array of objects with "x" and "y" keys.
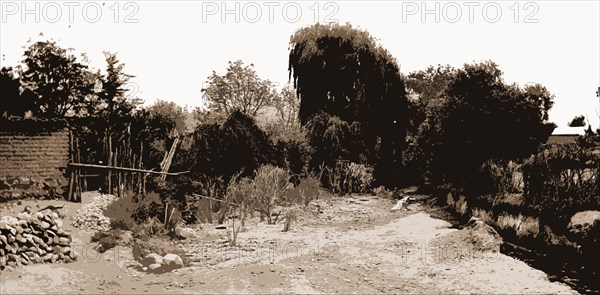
[{"x": 348, "y": 245}]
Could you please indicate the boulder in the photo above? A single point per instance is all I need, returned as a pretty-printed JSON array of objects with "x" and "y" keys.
[
  {"x": 152, "y": 258},
  {"x": 482, "y": 236}
]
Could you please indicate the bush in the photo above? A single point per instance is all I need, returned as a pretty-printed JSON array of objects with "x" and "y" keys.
[
  {"x": 307, "y": 190},
  {"x": 106, "y": 240},
  {"x": 560, "y": 180},
  {"x": 294, "y": 155},
  {"x": 130, "y": 211},
  {"x": 269, "y": 187},
  {"x": 121, "y": 212},
  {"x": 349, "y": 178},
  {"x": 224, "y": 150}
]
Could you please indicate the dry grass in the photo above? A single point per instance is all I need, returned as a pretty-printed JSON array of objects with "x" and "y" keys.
[{"x": 524, "y": 226}]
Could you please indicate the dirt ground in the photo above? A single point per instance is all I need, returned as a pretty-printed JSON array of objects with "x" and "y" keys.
[{"x": 337, "y": 245}]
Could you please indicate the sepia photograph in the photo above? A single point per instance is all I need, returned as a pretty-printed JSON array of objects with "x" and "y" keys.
[{"x": 300, "y": 147}]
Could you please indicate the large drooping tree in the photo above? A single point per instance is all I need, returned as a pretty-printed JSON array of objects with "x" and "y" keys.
[{"x": 343, "y": 71}]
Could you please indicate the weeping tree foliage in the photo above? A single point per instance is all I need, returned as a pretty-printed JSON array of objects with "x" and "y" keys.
[{"x": 343, "y": 71}]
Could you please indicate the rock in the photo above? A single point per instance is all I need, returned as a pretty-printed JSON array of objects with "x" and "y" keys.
[
  {"x": 152, "y": 258},
  {"x": 64, "y": 241},
  {"x": 185, "y": 232},
  {"x": 482, "y": 236},
  {"x": 154, "y": 266},
  {"x": 582, "y": 222},
  {"x": 172, "y": 261}
]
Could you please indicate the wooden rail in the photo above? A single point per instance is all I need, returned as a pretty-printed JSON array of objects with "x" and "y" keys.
[{"x": 81, "y": 165}]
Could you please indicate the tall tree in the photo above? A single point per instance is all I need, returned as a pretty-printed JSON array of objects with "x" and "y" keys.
[
  {"x": 344, "y": 72},
  {"x": 112, "y": 99},
  {"x": 240, "y": 89},
  {"x": 55, "y": 79}
]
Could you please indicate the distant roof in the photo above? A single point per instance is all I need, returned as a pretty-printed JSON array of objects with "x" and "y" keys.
[
  {"x": 562, "y": 138},
  {"x": 565, "y": 130}
]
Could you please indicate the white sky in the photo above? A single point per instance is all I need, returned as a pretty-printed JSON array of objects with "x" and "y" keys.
[{"x": 175, "y": 45}]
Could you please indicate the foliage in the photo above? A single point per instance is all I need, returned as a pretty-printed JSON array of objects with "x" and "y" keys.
[
  {"x": 294, "y": 155},
  {"x": 501, "y": 178},
  {"x": 342, "y": 71},
  {"x": 240, "y": 89},
  {"x": 112, "y": 102},
  {"x": 478, "y": 118},
  {"x": 560, "y": 180},
  {"x": 284, "y": 123},
  {"x": 240, "y": 192},
  {"x": 308, "y": 189},
  {"x": 350, "y": 178},
  {"x": 224, "y": 150},
  {"x": 290, "y": 217},
  {"x": 13, "y": 104},
  {"x": 333, "y": 139},
  {"x": 56, "y": 82},
  {"x": 578, "y": 121},
  {"x": 130, "y": 211},
  {"x": 270, "y": 186},
  {"x": 169, "y": 109}
]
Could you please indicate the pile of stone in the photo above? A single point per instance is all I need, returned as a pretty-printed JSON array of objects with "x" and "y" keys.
[
  {"x": 34, "y": 238},
  {"x": 91, "y": 215}
]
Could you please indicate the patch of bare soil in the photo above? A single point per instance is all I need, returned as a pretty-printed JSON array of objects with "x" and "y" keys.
[{"x": 337, "y": 245}]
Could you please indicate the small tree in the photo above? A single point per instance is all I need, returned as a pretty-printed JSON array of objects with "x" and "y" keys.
[{"x": 240, "y": 89}]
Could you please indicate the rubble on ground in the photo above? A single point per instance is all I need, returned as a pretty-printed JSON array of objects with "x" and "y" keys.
[{"x": 91, "y": 215}]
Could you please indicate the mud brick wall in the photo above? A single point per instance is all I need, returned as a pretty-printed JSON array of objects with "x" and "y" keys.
[{"x": 33, "y": 163}]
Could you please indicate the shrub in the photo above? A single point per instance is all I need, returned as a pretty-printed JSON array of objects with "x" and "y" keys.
[
  {"x": 560, "y": 180},
  {"x": 270, "y": 186},
  {"x": 290, "y": 217},
  {"x": 130, "y": 211},
  {"x": 349, "y": 178},
  {"x": 307, "y": 190},
  {"x": 294, "y": 155},
  {"x": 240, "y": 193},
  {"x": 121, "y": 212},
  {"x": 106, "y": 240},
  {"x": 224, "y": 150}
]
